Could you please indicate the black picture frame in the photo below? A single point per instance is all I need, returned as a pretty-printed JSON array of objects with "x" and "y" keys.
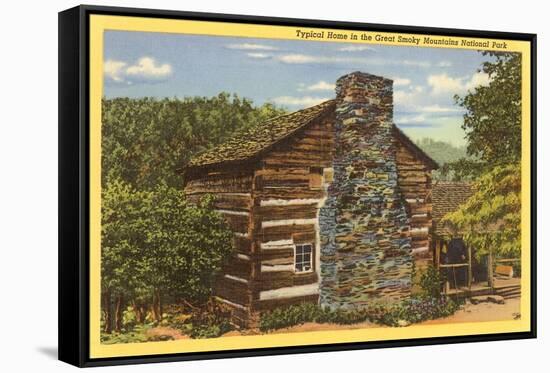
[{"x": 74, "y": 184}]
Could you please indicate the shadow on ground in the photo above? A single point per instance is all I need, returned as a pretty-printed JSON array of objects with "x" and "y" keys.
[{"x": 49, "y": 351}]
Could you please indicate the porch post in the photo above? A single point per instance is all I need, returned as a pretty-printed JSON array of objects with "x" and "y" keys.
[
  {"x": 469, "y": 267},
  {"x": 490, "y": 269}
]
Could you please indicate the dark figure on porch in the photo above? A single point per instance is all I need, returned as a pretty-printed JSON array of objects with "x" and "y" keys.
[{"x": 456, "y": 253}]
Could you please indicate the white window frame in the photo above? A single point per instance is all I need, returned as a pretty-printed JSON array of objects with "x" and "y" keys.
[{"x": 311, "y": 253}]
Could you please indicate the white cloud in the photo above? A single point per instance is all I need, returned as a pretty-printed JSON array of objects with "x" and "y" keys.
[
  {"x": 444, "y": 64},
  {"x": 445, "y": 84},
  {"x": 356, "y": 48},
  {"x": 409, "y": 97},
  {"x": 301, "y": 58},
  {"x": 478, "y": 79},
  {"x": 401, "y": 81},
  {"x": 145, "y": 69},
  {"x": 439, "y": 109},
  {"x": 319, "y": 86},
  {"x": 251, "y": 46},
  {"x": 114, "y": 70},
  {"x": 258, "y": 55},
  {"x": 305, "y": 101},
  {"x": 412, "y": 119}
]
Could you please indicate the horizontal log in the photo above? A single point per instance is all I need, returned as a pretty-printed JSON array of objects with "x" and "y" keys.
[
  {"x": 326, "y": 125},
  {"x": 318, "y": 133},
  {"x": 237, "y": 223},
  {"x": 321, "y": 147},
  {"x": 421, "y": 220},
  {"x": 233, "y": 291},
  {"x": 282, "y": 171},
  {"x": 276, "y": 254},
  {"x": 297, "y": 162},
  {"x": 325, "y": 142},
  {"x": 211, "y": 185},
  {"x": 286, "y": 212},
  {"x": 238, "y": 267},
  {"x": 304, "y": 237},
  {"x": 277, "y": 280},
  {"x": 300, "y": 156},
  {"x": 287, "y": 193},
  {"x": 284, "y": 232},
  {"x": 419, "y": 242},
  {"x": 242, "y": 245},
  {"x": 263, "y": 305},
  {"x": 418, "y": 234},
  {"x": 405, "y": 174},
  {"x": 232, "y": 201},
  {"x": 279, "y": 261}
]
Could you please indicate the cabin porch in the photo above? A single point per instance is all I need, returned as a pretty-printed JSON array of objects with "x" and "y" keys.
[{"x": 500, "y": 276}]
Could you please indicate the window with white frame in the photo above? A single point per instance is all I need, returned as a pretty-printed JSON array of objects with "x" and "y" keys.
[{"x": 303, "y": 258}]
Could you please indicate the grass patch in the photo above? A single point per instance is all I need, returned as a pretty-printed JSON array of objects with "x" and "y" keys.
[{"x": 408, "y": 312}]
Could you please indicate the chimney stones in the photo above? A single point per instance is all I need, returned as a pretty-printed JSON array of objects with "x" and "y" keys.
[{"x": 365, "y": 233}]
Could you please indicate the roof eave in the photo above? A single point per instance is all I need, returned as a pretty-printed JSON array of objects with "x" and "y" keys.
[{"x": 405, "y": 140}]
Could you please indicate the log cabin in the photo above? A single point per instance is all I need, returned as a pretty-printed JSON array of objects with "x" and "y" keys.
[{"x": 329, "y": 204}]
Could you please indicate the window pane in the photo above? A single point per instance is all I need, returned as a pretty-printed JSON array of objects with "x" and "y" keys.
[
  {"x": 303, "y": 257},
  {"x": 307, "y": 257}
]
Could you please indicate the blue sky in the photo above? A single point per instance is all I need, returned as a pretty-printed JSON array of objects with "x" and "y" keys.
[{"x": 293, "y": 74}]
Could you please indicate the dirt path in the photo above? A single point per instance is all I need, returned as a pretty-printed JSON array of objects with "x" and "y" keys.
[
  {"x": 165, "y": 331},
  {"x": 510, "y": 310},
  {"x": 468, "y": 313}
]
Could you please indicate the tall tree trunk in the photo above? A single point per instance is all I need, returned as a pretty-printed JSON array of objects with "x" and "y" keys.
[
  {"x": 107, "y": 312},
  {"x": 157, "y": 306},
  {"x": 119, "y": 309},
  {"x": 140, "y": 310}
]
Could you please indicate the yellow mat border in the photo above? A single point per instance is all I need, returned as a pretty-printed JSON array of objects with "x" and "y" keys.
[{"x": 100, "y": 23}]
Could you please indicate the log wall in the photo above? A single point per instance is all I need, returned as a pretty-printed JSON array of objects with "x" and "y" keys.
[
  {"x": 232, "y": 192},
  {"x": 415, "y": 183},
  {"x": 288, "y": 190}
]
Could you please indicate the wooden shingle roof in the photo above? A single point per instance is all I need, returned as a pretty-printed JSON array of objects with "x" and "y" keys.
[
  {"x": 447, "y": 197},
  {"x": 251, "y": 142}
]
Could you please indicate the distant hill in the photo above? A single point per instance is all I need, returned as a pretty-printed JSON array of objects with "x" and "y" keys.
[{"x": 442, "y": 152}]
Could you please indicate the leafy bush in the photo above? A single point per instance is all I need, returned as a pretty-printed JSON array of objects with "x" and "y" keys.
[
  {"x": 307, "y": 312},
  {"x": 416, "y": 310},
  {"x": 431, "y": 281},
  {"x": 407, "y": 312},
  {"x": 136, "y": 335},
  {"x": 210, "y": 322}
]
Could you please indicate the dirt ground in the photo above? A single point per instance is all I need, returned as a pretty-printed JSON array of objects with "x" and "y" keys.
[{"x": 510, "y": 310}]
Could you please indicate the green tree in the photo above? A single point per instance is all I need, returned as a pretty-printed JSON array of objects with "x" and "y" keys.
[
  {"x": 156, "y": 244},
  {"x": 186, "y": 247},
  {"x": 492, "y": 121},
  {"x": 491, "y": 218},
  {"x": 145, "y": 141},
  {"x": 443, "y": 153},
  {"x": 123, "y": 246}
]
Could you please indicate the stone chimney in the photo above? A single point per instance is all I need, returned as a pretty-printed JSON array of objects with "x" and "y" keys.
[{"x": 365, "y": 239}]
